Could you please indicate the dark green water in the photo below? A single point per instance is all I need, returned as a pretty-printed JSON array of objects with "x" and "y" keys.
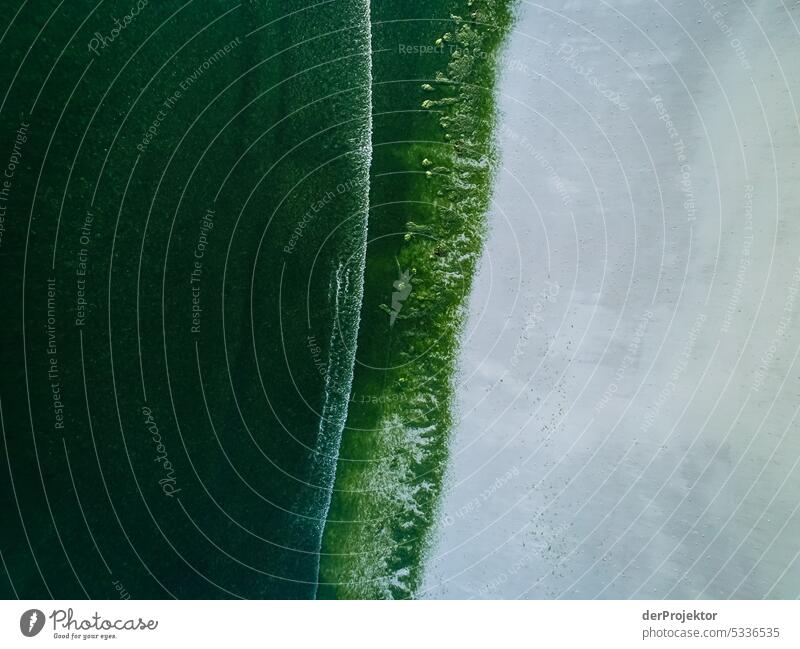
[
  {"x": 247, "y": 201},
  {"x": 192, "y": 312}
]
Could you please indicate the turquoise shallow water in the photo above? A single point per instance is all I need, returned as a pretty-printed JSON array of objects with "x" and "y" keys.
[{"x": 434, "y": 71}]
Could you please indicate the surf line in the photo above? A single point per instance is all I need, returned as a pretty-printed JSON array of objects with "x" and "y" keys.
[{"x": 357, "y": 299}]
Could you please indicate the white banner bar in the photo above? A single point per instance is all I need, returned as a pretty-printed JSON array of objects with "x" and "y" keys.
[{"x": 537, "y": 624}]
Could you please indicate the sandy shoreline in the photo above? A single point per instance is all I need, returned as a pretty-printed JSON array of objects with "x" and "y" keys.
[{"x": 628, "y": 383}]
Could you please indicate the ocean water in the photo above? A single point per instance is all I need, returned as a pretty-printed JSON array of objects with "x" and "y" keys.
[
  {"x": 182, "y": 259},
  {"x": 237, "y": 241}
]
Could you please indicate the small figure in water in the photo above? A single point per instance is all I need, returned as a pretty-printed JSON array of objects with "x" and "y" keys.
[{"x": 402, "y": 289}]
